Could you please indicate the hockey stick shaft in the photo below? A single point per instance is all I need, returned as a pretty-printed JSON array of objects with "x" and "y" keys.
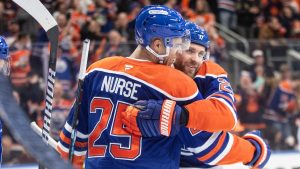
[
  {"x": 38, "y": 131},
  {"x": 82, "y": 71},
  {"x": 39, "y": 12}
]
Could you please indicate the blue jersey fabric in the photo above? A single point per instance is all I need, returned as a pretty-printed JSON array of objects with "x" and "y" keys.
[{"x": 106, "y": 93}]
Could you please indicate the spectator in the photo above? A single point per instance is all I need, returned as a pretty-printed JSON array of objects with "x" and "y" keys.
[
  {"x": 14, "y": 153},
  {"x": 65, "y": 66},
  {"x": 13, "y": 32},
  {"x": 62, "y": 21},
  {"x": 27, "y": 23},
  {"x": 272, "y": 29},
  {"x": 35, "y": 96},
  {"x": 251, "y": 105},
  {"x": 282, "y": 105},
  {"x": 260, "y": 61},
  {"x": 287, "y": 19},
  {"x": 3, "y": 19},
  {"x": 109, "y": 11},
  {"x": 171, "y": 4},
  {"x": 272, "y": 8},
  {"x": 115, "y": 46},
  {"x": 201, "y": 15},
  {"x": 259, "y": 82},
  {"x": 247, "y": 12},
  {"x": 121, "y": 26},
  {"x": 31, "y": 96},
  {"x": 62, "y": 7},
  {"x": 227, "y": 13},
  {"x": 91, "y": 31},
  {"x": 62, "y": 103},
  {"x": 20, "y": 56},
  {"x": 7, "y": 154}
]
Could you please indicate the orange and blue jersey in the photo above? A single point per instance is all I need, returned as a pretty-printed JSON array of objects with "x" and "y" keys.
[
  {"x": 284, "y": 99},
  {"x": 205, "y": 149},
  {"x": 109, "y": 87},
  {"x": 217, "y": 148},
  {"x": 282, "y": 104},
  {"x": 217, "y": 111}
]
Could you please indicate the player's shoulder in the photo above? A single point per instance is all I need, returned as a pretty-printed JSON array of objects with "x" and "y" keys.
[
  {"x": 174, "y": 81},
  {"x": 106, "y": 63},
  {"x": 210, "y": 68}
]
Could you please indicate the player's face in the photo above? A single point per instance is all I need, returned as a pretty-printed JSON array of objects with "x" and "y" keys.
[
  {"x": 189, "y": 61},
  {"x": 169, "y": 61},
  {"x": 179, "y": 45}
]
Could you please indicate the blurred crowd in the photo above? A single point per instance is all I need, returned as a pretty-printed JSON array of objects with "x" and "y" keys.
[{"x": 267, "y": 99}]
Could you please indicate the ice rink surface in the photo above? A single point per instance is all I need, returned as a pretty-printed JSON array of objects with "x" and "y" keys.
[{"x": 282, "y": 160}]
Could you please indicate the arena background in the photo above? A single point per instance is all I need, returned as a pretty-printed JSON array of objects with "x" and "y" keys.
[{"x": 256, "y": 41}]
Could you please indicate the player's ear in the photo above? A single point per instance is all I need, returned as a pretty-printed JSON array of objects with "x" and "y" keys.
[{"x": 158, "y": 45}]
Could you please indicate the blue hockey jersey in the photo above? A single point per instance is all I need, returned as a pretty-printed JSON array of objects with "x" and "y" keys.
[
  {"x": 110, "y": 86},
  {"x": 205, "y": 149}
]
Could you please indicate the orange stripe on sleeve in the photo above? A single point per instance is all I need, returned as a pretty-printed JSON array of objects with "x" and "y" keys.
[
  {"x": 68, "y": 141},
  {"x": 77, "y": 160},
  {"x": 64, "y": 138},
  {"x": 241, "y": 151},
  {"x": 223, "y": 96},
  {"x": 215, "y": 149}
]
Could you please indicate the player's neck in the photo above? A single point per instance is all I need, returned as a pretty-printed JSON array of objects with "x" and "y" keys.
[{"x": 142, "y": 54}]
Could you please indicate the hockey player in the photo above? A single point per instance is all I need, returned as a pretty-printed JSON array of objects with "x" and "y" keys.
[
  {"x": 4, "y": 69},
  {"x": 114, "y": 83},
  {"x": 201, "y": 148}
]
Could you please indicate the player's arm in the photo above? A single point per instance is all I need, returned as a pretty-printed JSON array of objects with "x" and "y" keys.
[
  {"x": 64, "y": 142},
  {"x": 213, "y": 114},
  {"x": 80, "y": 146},
  {"x": 217, "y": 111},
  {"x": 220, "y": 148}
]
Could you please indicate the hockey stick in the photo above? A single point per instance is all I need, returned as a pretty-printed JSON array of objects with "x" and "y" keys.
[
  {"x": 39, "y": 12},
  {"x": 82, "y": 71},
  {"x": 38, "y": 131}
]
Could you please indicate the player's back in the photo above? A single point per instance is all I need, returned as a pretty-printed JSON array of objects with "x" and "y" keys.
[{"x": 110, "y": 86}]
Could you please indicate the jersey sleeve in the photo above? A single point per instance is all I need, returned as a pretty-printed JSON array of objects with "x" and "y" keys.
[
  {"x": 80, "y": 146},
  {"x": 217, "y": 148},
  {"x": 216, "y": 111}
]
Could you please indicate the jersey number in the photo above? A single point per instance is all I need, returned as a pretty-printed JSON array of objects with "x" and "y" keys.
[
  {"x": 224, "y": 85},
  {"x": 130, "y": 152}
]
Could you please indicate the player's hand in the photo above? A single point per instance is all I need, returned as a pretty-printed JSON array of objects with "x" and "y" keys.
[
  {"x": 262, "y": 152},
  {"x": 152, "y": 118}
]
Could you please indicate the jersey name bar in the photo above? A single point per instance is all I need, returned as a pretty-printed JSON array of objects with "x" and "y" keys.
[{"x": 120, "y": 86}]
